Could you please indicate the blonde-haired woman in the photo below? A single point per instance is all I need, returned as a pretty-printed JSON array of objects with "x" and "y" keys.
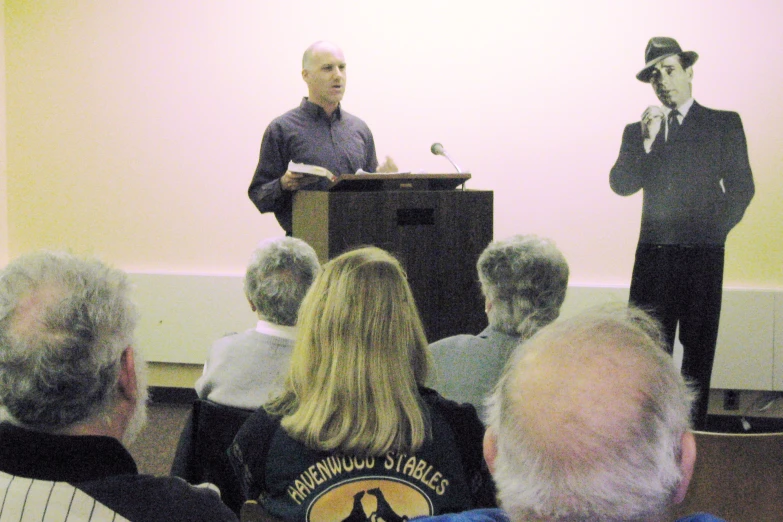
[{"x": 354, "y": 435}]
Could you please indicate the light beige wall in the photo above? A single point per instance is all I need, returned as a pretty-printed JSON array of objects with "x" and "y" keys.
[
  {"x": 175, "y": 332},
  {"x": 134, "y": 127},
  {"x": 174, "y": 375},
  {"x": 3, "y": 155}
]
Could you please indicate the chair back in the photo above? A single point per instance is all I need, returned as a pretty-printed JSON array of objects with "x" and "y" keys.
[
  {"x": 738, "y": 477},
  {"x": 201, "y": 451},
  {"x": 253, "y": 512}
]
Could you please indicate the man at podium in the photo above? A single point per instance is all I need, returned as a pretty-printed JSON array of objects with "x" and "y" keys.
[{"x": 318, "y": 132}]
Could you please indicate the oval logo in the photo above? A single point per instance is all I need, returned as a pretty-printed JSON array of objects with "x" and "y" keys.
[{"x": 370, "y": 498}]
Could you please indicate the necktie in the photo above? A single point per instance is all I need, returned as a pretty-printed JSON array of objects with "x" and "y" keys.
[{"x": 674, "y": 125}]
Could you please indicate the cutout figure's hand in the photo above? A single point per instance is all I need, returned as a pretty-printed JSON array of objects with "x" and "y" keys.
[{"x": 652, "y": 119}]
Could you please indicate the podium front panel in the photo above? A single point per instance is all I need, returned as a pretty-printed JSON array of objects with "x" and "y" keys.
[{"x": 437, "y": 236}]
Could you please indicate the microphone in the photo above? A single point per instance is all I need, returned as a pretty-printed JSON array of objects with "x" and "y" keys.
[{"x": 438, "y": 150}]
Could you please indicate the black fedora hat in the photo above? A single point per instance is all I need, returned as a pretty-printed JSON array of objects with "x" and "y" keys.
[{"x": 660, "y": 47}]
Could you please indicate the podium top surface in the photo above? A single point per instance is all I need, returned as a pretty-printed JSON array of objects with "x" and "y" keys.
[{"x": 388, "y": 182}]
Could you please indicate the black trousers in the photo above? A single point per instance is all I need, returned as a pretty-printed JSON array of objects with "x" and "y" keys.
[{"x": 684, "y": 284}]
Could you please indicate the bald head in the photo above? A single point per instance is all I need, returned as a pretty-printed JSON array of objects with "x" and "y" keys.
[
  {"x": 324, "y": 71},
  {"x": 589, "y": 419},
  {"x": 315, "y": 48},
  {"x": 587, "y": 377}
]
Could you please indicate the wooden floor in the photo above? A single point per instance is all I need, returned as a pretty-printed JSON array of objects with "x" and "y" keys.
[{"x": 154, "y": 448}]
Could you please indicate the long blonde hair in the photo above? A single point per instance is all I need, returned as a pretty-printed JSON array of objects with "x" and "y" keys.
[{"x": 358, "y": 361}]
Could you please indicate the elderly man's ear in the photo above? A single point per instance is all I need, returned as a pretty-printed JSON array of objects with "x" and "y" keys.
[
  {"x": 490, "y": 448},
  {"x": 127, "y": 379},
  {"x": 687, "y": 463}
]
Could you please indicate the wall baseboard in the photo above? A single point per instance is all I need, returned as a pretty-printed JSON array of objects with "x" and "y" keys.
[
  {"x": 172, "y": 395},
  {"x": 183, "y": 314},
  {"x": 733, "y": 424}
]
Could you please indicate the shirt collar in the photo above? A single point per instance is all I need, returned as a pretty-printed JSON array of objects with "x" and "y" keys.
[
  {"x": 316, "y": 111},
  {"x": 682, "y": 109},
  {"x": 276, "y": 330},
  {"x": 65, "y": 458}
]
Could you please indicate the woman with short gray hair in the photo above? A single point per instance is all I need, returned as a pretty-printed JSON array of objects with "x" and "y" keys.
[
  {"x": 243, "y": 369},
  {"x": 524, "y": 281}
]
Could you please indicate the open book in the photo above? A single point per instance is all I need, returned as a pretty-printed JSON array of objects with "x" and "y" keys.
[
  {"x": 362, "y": 171},
  {"x": 311, "y": 170}
]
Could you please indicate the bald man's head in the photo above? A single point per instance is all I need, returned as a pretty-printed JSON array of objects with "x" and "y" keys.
[
  {"x": 588, "y": 420},
  {"x": 318, "y": 47},
  {"x": 324, "y": 71}
]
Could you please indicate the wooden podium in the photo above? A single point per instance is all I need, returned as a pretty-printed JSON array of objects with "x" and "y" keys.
[{"x": 436, "y": 231}]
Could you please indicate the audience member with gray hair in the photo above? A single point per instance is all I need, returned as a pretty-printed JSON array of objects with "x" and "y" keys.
[
  {"x": 243, "y": 369},
  {"x": 590, "y": 422},
  {"x": 524, "y": 281},
  {"x": 72, "y": 393}
]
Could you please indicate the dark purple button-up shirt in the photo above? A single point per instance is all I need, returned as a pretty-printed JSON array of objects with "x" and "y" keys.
[{"x": 341, "y": 143}]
